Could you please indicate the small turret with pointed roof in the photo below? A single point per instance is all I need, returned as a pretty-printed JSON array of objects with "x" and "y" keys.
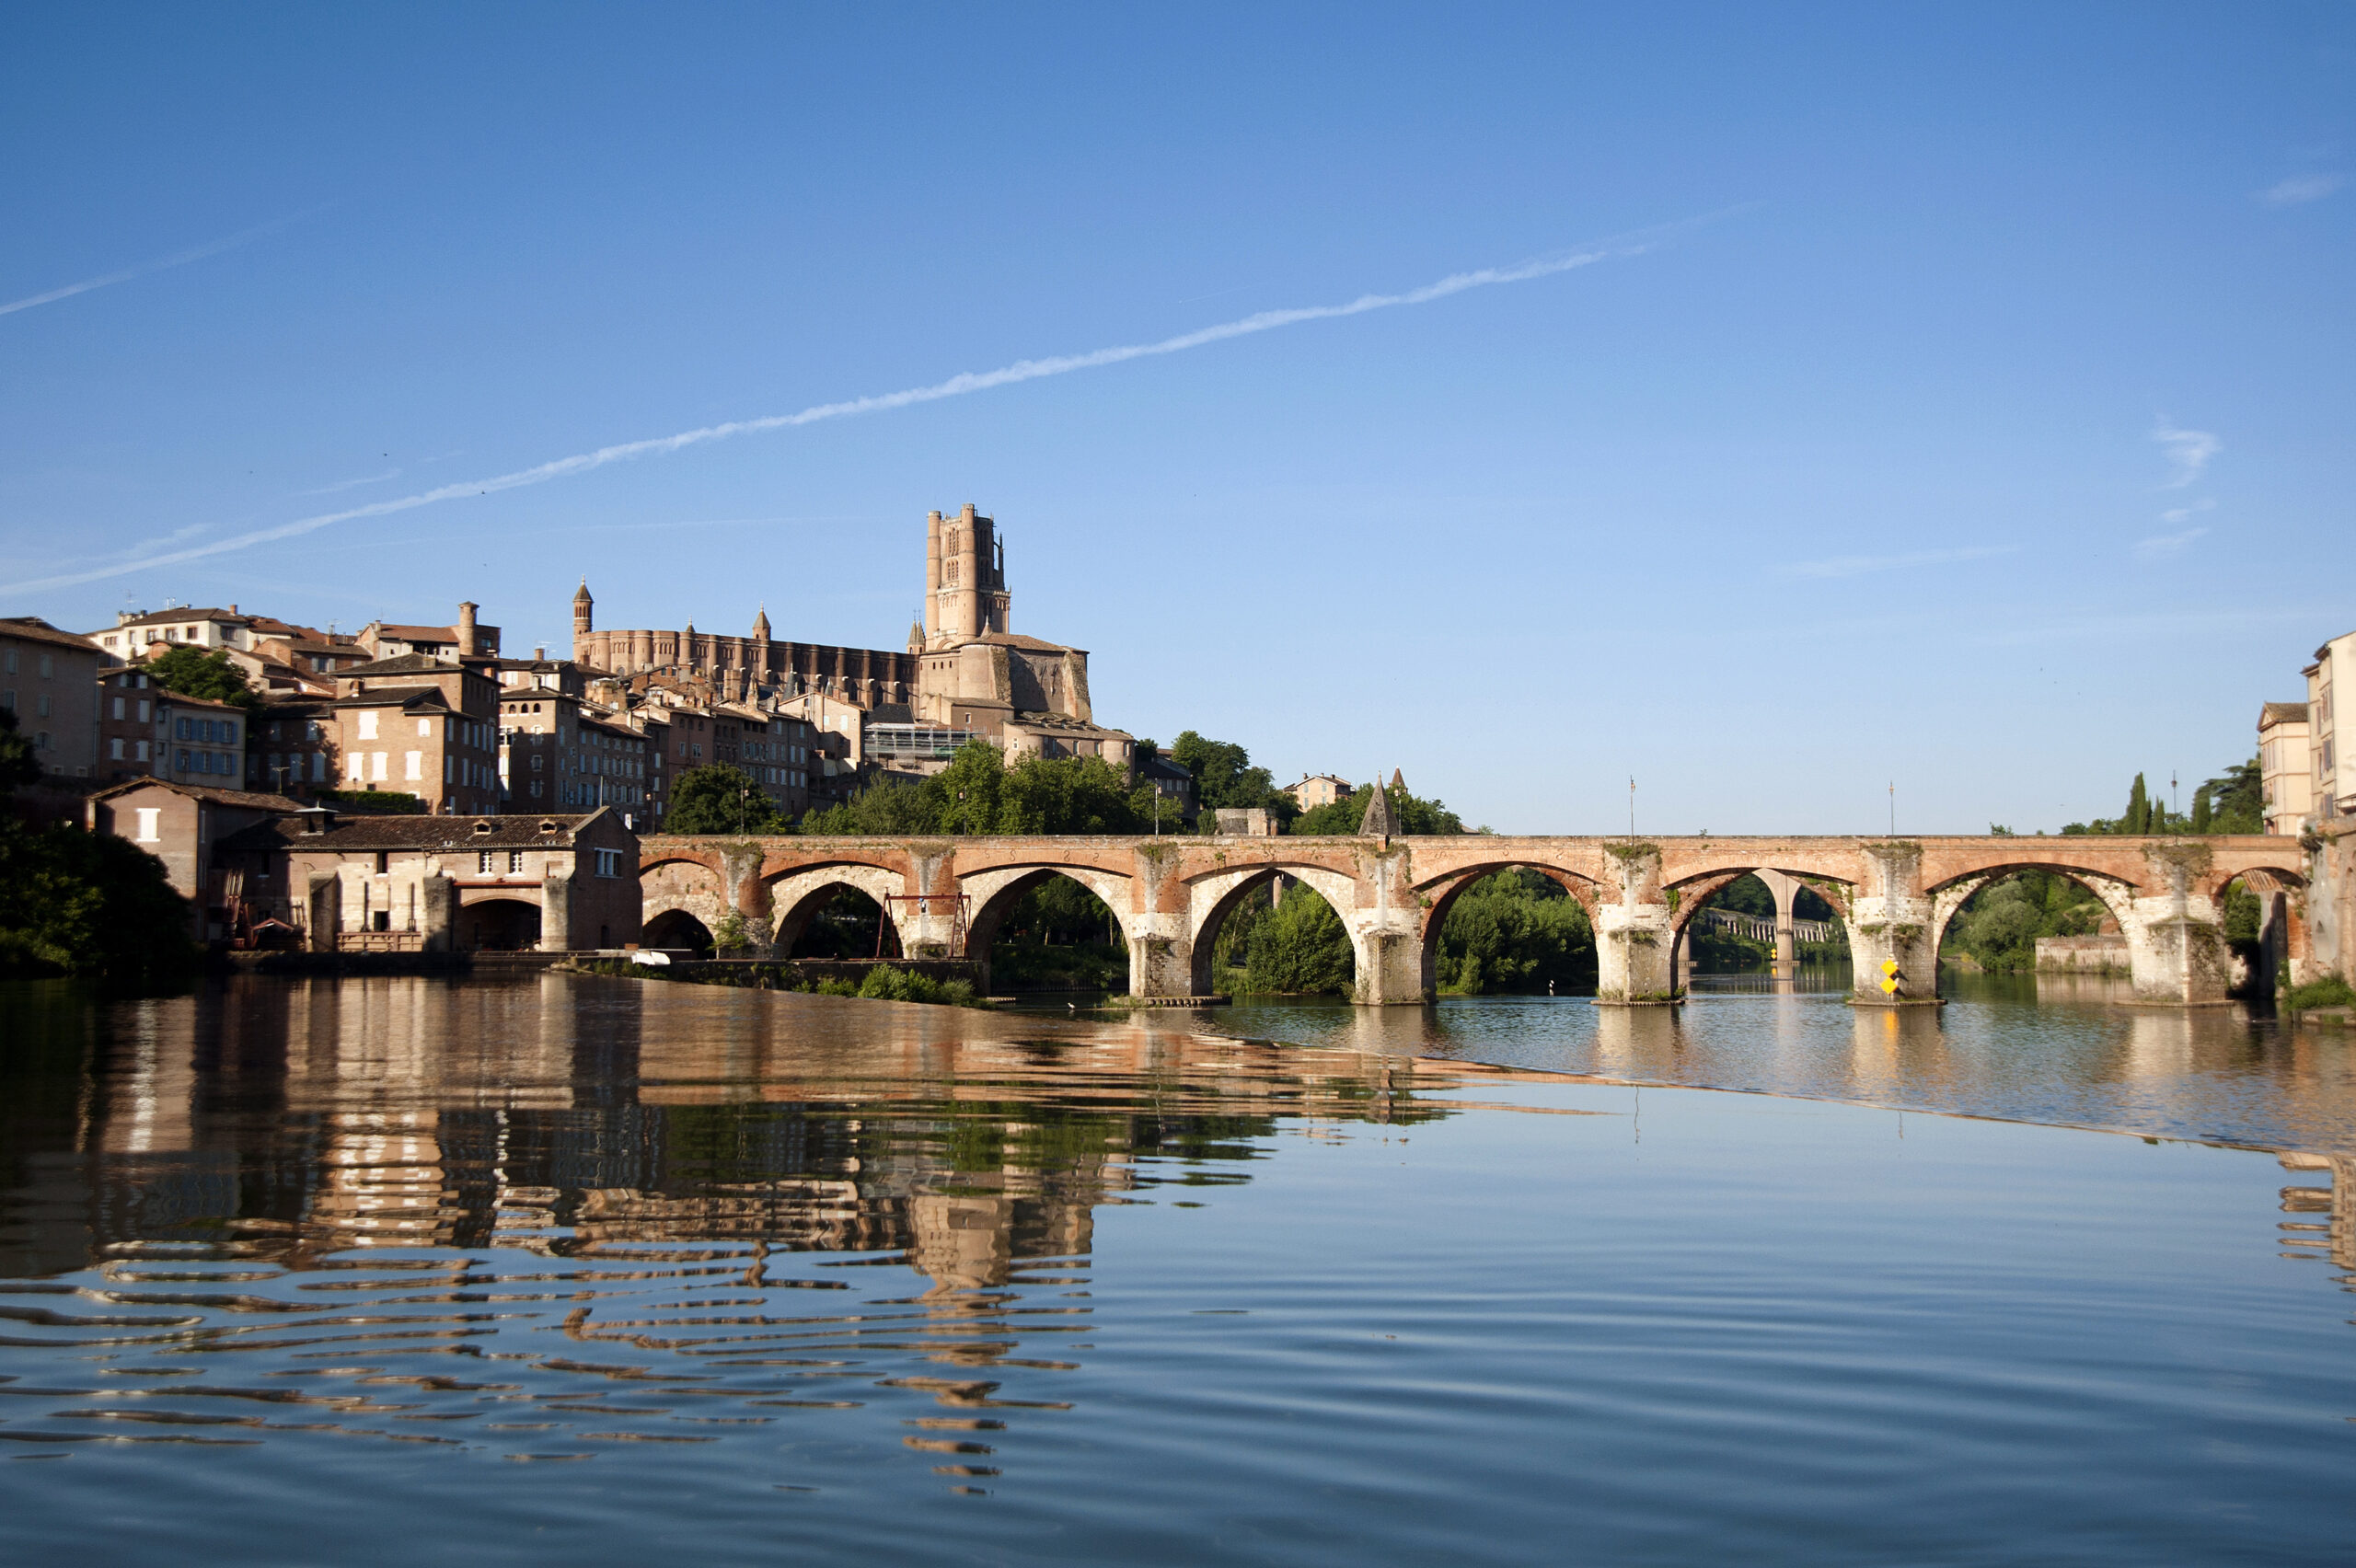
[
  {"x": 761, "y": 625},
  {"x": 1378, "y": 822}
]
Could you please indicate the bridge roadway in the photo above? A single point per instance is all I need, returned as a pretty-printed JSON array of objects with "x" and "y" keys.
[{"x": 947, "y": 897}]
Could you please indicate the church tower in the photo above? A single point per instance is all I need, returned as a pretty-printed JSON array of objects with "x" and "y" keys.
[
  {"x": 583, "y": 621},
  {"x": 761, "y": 625},
  {"x": 964, "y": 578}
]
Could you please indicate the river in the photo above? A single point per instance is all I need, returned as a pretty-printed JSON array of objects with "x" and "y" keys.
[{"x": 592, "y": 1270}]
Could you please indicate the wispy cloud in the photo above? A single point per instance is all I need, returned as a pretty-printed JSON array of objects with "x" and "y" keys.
[
  {"x": 2301, "y": 189},
  {"x": 162, "y": 264},
  {"x": 2165, "y": 546},
  {"x": 2188, "y": 450},
  {"x": 1860, "y": 565},
  {"x": 955, "y": 386},
  {"x": 353, "y": 484}
]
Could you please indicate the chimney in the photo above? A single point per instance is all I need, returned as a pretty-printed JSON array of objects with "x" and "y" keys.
[
  {"x": 315, "y": 820},
  {"x": 539, "y": 655},
  {"x": 466, "y": 627},
  {"x": 233, "y": 609}
]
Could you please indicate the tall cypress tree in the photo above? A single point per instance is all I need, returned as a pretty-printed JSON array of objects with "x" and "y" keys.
[
  {"x": 2202, "y": 814},
  {"x": 2138, "y": 810}
]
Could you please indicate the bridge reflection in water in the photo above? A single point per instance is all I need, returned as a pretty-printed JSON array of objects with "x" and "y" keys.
[{"x": 825, "y": 1267}]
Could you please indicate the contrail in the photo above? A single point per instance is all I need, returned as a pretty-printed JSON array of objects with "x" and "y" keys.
[
  {"x": 161, "y": 263},
  {"x": 955, "y": 386}
]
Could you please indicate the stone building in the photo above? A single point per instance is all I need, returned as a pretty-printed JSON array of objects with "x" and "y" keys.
[
  {"x": 965, "y": 674},
  {"x": 2286, "y": 767},
  {"x": 422, "y": 726},
  {"x": 147, "y": 732},
  {"x": 1319, "y": 789},
  {"x": 184, "y": 826},
  {"x": 48, "y": 679},
  {"x": 554, "y": 882},
  {"x": 2333, "y": 672},
  {"x": 465, "y": 639}
]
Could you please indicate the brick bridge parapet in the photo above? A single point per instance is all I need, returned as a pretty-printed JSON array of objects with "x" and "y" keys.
[{"x": 1171, "y": 893}]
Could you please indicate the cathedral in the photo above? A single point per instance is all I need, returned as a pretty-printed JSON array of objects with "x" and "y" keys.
[{"x": 965, "y": 676}]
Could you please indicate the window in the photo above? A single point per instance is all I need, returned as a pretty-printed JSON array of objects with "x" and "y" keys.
[
  {"x": 47, "y": 666},
  {"x": 609, "y": 862},
  {"x": 318, "y": 767},
  {"x": 384, "y": 861},
  {"x": 144, "y": 713},
  {"x": 228, "y": 732},
  {"x": 11, "y": 663},
  {"x": 139, "y": 750},
  {"x": 114, "y": 749},
  {"x": 118, "y": 708},
  {"x": 368, "y": 723},
  {"x": 514, "y": 860},
  {"x": 536, "y": 762},
  {"x": 40, "y": 705},
  {"x": 482, "y": 861},
  {"x": 356, "y": 767},
  {"x": 149, "y": 817},
  {"x": 425, "y": 726},
  {"x": 180, "y": 730},
  {"x": 182, "y": 760}
]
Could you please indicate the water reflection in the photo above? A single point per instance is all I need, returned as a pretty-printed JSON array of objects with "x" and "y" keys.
[
  {"x": 2061, "y": 1049},
  {"x": 717, "y": 1252}
]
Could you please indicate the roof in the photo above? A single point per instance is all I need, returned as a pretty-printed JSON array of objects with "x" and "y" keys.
[
  {"x": 32, "y": 628},
  {"x": 182, "y": 699},
  {"x": 1062, "y": 723},
  {"x": 398, "y": 697},
  {"x": 2281, "y": 713},
  {"x": 445, "y": 832},
  {"x": 417, "y": 633},
  {"x": 401, "y": 665},
  {"x": 1016, "y": 639},
  {"x": 246, "y": 798},
  {"x": 174, "y": 617}
]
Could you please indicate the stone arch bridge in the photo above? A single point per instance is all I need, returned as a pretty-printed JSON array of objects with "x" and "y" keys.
[{"x": 947, "y": 897}]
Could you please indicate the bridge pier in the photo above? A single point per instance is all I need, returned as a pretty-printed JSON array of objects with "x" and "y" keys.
[
  {"x": 1891, "y": 920},
  {"x": 1635, "y": 934},
  {"x": 1784, "y": 890},
  {"x": 2176, "y": 941}
]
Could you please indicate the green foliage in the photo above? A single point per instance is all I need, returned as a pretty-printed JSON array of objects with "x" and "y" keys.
[
  {"x": 720, "y": 798},
  {"x": 979, "y": 793},
  {"x": 889, "y": 984},
  {"x": 392, "y": 803},
  {"x": 2331, "y": 991},
  {"x": 1514, "y": 931},
  {"x": 193, "y": 672},
  {"x": 845, "y": 925},
  {"x": 1225, "y": 779},
  {"x": 1299, "y": 947},
  {"x": 733, "y": 935},
  {"x": 2234, "y": 801},
  {"x": 1999, "y": 924},
  {"x": 78, "y": 903},
  {"x": 1412, "y": 812}
]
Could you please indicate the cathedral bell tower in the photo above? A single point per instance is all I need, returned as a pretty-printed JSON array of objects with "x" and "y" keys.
[
  {"x": 584, "y": 620},
  {"x": 964, "y": 578}
]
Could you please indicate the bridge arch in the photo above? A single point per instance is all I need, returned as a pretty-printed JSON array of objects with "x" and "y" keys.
[
  {"x": 685, "y": 885},
  {"x": 1212, "y": 898},
  {"x": 798, "y": 895},
  {"x": 1440, "y": 893},
  {"x": 677, "y": 928},
  {"x": 1947, "y": 898}
]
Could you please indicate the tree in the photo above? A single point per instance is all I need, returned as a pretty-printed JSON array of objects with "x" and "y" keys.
[
  {"x": 1225, "y": 779},
  {"x": 1517, "y": 931},
  {"x": 1413, "y": 813},
  {"x": 979, "y": 793},
  {"x": 82, "y": 902},
  {"x": 2138, "y": 818},
  {"x": 1301, "y": 947},
  {"x": 720, "y": 798},
  {"x": 193, "y": 672}
]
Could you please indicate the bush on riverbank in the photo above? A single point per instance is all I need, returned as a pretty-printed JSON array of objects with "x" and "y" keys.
[
  {"x": 73, "y": 901},
  {"x": 882, "y": 983},
  {"x": 2331, "y": 991}
]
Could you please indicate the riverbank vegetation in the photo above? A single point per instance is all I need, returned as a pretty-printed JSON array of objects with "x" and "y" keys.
[{"x": 73, "y": 901}]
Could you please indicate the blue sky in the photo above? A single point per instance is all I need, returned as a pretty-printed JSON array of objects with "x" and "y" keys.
[{"x": 1958, "y": 397}]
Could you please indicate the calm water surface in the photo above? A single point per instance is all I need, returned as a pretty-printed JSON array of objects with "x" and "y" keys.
[{"x": 585, "y": 1270}]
